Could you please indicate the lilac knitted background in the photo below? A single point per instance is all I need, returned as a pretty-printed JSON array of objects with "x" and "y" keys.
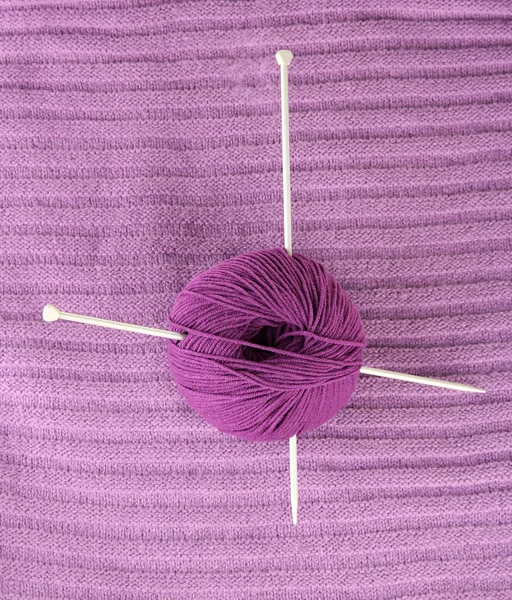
[{"x": 140, "y": 145}]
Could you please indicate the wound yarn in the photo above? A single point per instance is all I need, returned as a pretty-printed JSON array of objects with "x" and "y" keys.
[{"x": 273, "y": 347}]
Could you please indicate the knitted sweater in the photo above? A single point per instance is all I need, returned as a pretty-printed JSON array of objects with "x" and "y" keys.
[{"x": 140, "y": 145}]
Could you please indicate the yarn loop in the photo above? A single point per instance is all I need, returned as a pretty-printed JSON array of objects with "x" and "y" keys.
[{"x": 273, "y": 347}]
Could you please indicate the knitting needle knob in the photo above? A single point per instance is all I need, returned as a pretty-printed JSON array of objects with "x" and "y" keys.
[{"x": 51, "y": 313}]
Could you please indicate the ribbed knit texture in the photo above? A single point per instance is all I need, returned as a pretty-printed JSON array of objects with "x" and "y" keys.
[{"x": 139, "y": 146}]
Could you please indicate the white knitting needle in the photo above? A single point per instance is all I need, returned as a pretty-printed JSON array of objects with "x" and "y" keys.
[
  {"x": 449, "y": 385},
  {"x": 52, "y": 313},
  {"x": 284, "y": 58}
]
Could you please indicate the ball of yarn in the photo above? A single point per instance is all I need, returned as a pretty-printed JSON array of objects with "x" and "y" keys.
[{"x": 273, "y": 347}]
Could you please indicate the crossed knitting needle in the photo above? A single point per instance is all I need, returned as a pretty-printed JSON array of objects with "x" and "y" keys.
[{"x": 52, "y": 313}]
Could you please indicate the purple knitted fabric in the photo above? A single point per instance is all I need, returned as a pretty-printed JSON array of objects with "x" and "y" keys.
[{"x": 140, "y": 146}]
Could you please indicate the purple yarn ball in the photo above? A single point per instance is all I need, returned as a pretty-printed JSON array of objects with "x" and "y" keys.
[{"x": 273, "y": 348}]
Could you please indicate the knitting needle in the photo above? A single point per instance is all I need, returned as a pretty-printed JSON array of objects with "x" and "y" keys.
[
  {"x": 284, "y": 58},
  {"x": 461, "y": 387},
  {"x": 52, "y": 313}
]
